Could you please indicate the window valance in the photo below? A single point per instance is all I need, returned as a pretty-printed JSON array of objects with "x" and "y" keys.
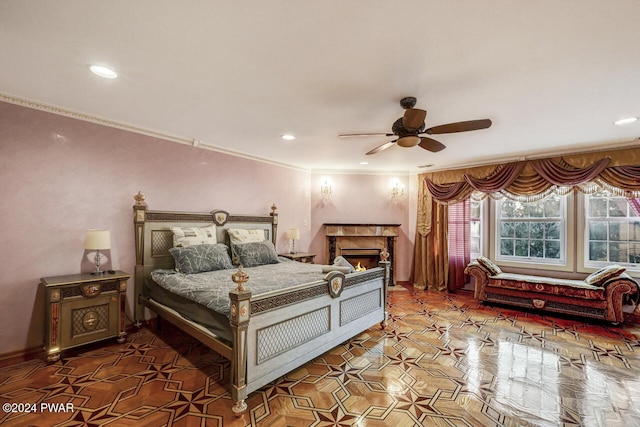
[{"x": 535, "y": 179}]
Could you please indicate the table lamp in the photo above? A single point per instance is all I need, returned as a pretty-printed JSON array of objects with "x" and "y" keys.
[
  {"x": 293, "y": 234},
  {"x": 97, "y": 240}
]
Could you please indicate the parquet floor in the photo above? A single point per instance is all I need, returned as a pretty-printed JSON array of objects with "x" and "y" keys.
[{"x": 443, "y": 360}]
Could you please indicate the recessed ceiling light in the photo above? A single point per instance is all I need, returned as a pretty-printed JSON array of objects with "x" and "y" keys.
[
  {"x": 288, "y": 137},
  {"x": 625, "y": 121},
  {"x": 364, "y": 163},
  {"x": 105, "y": 72}
]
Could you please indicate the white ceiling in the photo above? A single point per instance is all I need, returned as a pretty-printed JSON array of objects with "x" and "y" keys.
[{"x": 235, "y": 75}]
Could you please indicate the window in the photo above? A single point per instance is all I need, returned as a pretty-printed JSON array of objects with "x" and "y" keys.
[
  {"x": 459, "y": 242},
  {"x": 475, "y": 234},
  {"x": 532, "y": 232},
  {"x": 612, "y": 231}
]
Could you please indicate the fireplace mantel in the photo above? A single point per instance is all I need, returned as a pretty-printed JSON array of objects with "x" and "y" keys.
[
  {"x": 342, "y": 229},
  {"x": 356, "y": 224},
  {"x": 350, "y": 236}
]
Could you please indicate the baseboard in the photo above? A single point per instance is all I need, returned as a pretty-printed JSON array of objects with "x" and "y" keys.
[
  {"x": 14, "y": 357},
  {"x": 18, "y": 356}
]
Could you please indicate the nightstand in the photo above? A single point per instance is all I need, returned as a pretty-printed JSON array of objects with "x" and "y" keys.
[
  {"x": 301, "y": 257},
  {"x": 83, "y": 308}
]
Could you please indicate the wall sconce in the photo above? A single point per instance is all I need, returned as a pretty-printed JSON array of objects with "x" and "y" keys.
[
  {"x": 397, "y": 191},
  {"x": 97, "y": 240},
  {"x": 293, "y": 234},
  {"x": 325, "y": 189}
]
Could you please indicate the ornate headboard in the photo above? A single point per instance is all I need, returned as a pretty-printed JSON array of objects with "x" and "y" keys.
[{"x": 153, "y": 236}]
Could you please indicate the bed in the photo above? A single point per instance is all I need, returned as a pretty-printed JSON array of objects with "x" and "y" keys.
[{"x": 267, "y": 320}]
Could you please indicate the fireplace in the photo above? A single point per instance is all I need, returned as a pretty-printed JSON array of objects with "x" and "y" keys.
[
  {"x": 362, "y": 243},
  {"x": 361, "y": 258}
]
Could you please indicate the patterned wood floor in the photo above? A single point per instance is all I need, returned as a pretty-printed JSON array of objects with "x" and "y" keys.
[{"x": 443, "y": 360}]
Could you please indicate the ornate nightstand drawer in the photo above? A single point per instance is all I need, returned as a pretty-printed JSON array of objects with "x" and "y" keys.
[{"x": 88, "y": 320}]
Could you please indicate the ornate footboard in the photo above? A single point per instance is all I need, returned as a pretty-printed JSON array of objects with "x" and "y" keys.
[
  {"x": 274, "y": 334},
  {"x": 575, "y": 297}
]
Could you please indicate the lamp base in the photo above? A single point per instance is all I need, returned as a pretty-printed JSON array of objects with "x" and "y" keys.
[{"x": 97, "y": 271}]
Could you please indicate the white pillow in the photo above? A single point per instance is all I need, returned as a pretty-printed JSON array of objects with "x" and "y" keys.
[
  {"x": 194, "y": 236},
  {"x": 238, "y": 236}
]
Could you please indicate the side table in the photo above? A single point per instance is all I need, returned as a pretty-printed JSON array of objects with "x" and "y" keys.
[
  {"x": 83, "y": 308},
  {"x": 301, "y": 257}
]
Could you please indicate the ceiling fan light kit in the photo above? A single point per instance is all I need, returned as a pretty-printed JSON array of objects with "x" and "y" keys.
[
  {"x": 408, "y": 141},
  {"x": 410, "y": 129}
]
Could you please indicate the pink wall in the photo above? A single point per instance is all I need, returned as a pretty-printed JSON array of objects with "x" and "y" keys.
[
  {"x": 60, "y": 176},
  {"x": 358, "y": 198}
]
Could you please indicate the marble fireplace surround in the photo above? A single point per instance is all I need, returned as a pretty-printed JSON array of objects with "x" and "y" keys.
[{"x": 351, "y": 237}]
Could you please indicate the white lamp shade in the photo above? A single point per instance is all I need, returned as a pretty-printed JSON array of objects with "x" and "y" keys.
[
  {"x": 294, "y": 234},
  {"x": 97, "y": 240}
]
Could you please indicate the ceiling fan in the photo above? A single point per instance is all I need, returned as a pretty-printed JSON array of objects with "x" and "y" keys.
[{"x": 410, "y": 129}]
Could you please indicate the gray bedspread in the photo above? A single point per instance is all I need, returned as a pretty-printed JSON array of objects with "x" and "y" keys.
[{"x": 211, "y": 288}]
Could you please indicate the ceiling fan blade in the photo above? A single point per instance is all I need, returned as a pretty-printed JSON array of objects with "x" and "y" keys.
[
  {"x": 459, "y": 127},
  {"x": 352, "y": 135},
  {"x": 381, "y": 147},
  {"x": 431, "y": 144},
  {"x": 413, "y": 118}
]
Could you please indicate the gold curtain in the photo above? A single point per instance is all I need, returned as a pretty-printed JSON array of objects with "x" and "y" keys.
[
  {"x": 627, "y": 156},
  {"x": 621, "y": 171},
  {"x": 514, "y": 180},
  {"x": 431, "y": 253}
]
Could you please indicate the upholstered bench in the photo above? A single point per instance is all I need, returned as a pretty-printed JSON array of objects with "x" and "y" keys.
[{"x": 600, "y": 296}]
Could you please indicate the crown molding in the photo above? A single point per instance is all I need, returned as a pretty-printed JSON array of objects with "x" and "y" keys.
[
  {"x": 35, "y": 105},
  {"x": 88, "y": 118}
]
